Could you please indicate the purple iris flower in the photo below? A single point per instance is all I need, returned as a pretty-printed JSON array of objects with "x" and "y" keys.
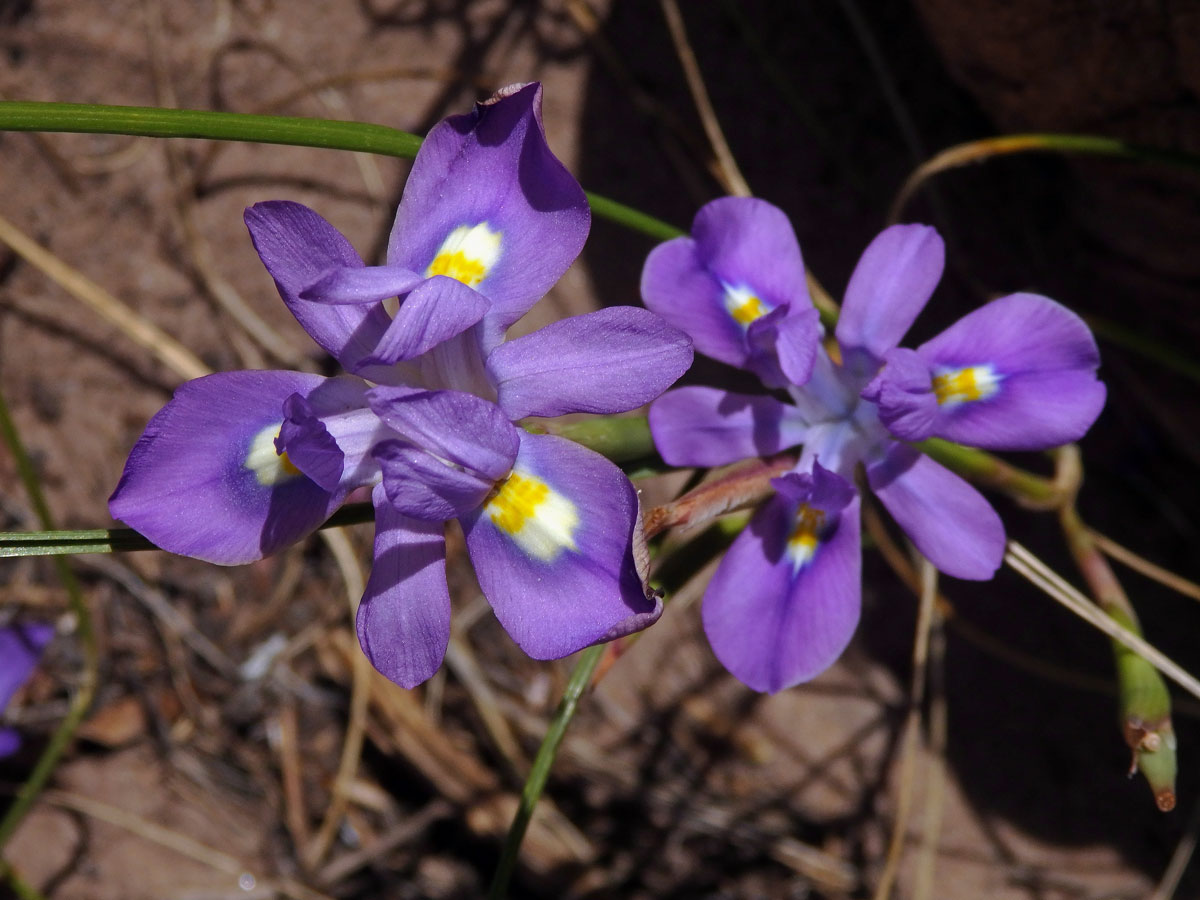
[
  {"x": 1016, "y": 374},
  {"x": 242, "y": 463},
  {"x": 20, "y": 648}
]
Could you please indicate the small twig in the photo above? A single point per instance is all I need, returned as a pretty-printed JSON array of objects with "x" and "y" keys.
[
  {"x": 466, "y": 669},
  {"x": 935, "y": 769},
  {"x": 1040, "y": 575},
  {"x": 908, "y": 762},
  {"x": 138, "y": 329},
  {"x": 731, "y": 177},
  {"x": 360, "y": 695},
  {"x": 1143, "y": 566}
]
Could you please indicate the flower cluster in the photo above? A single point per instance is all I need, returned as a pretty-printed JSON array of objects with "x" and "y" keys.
[
  {"x": 240, "y": 464},
  {"x": 20, "y": 648},
  {"x": 1016, "y": 374}
]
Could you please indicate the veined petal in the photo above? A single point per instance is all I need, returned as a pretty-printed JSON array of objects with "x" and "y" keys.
[
  {"x": 891, "y": 284},
  {"x": 951, "y": 523},
  {"x": 328, "y": 435},
  {"x": 903, "y": 392},
  {"x": 741, "y": 262},
  {"x": 361, "y": 284},
  {"x": 421, "y": 486},
  {"x": 786, "y": 598},
  {"x": 404, "y": 619},
  {"x": 704, "y": 426},
  {"x": 1016, "y": 374},
  {"x": 608, "y": 361},
  {"x": 439, "y": 309},
  {"x": 461, "y": 429},
  {"x": 298, "y": 247},
  {"x": 783, "y": 346},
  {"x": 488, "y": 203},
  {"x": 206, "y": 480},
  {"x": 553, "y": 550}
]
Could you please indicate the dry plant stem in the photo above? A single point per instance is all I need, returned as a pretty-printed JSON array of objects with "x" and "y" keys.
[
  {"x": 912, "y": 723},
  {"x": 731, "y": 177},
  {"x": 462, "y": 662},
  {"x": 360, "y": 696},
  {"x": 935, "y": 769},
  {"x": 1026, "y": 564},
  {"x": 165, "y": 348},
  {"x": 217, "y": 287},
  {"x": 173, "y": 840},
  {"x": 295, "y": 815},
  {"x": 742, "y": 486},
  {"x": 85, "y": 690},
  {"x": 1143, "y": 566}
]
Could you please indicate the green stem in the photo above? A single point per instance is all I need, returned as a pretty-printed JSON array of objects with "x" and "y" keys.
[
  {"x": 82, "y": 700},
  {"x": 980, "y": 466},
  {"x": 330, "y": 134},
  {"x": 581, "y": 676},
  {"x": 22, "y": 889}
]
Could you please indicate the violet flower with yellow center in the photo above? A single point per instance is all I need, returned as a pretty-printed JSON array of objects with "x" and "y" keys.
[
  {"x": 1016, "y": 374},
  {"x": 242, "y": 463}
]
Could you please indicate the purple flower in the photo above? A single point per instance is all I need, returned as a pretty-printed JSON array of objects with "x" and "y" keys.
[
  {"x": 20, "y": 648},
  {"x": 242, "y": 463},
  {"x": 1016, "y": 374}
]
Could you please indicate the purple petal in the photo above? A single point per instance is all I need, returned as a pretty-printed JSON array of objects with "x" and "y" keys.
[
  {"x": 602, "y": 362},
  {"x": 361, "y": 284},
  {"x": 741, "y": 262},
  {"x": 466, "y": 430},
  {"x": 494, "y": 167},
  {"x": 773, "y": 622},
  {"x": 404, "y": 619},
  {"x": 783, "y": 346},
  {"x": 903, "y": 391},
  {"x": 1038, "y": 360},
  {"x": 441, "y": 308},
  {"x": 703, "y": 426},
  {"x": 553, "y": 550},
  {"x": 951, "y": 523},
  {"x": 298, "y": 247},
  {"x": 328, "y": 435},
  {"x": 891, "y": 284},
  {"x": 20, "y": 648},
  {"x": 421, "y": 486},
  {"x": 205, "y": 480}
]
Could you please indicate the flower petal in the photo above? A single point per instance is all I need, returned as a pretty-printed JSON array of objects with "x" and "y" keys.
[
  {"x": 492, "y": 168},
  {"x": 553, "y": 550},
  {"x": 298, "y": 247},
  {"x": 441, "y": 308},
  {"x": 603, "y": 362},
  {"x": 783, "y": 346},
  {"x": 328, "y": 435},
  {"x": 741, "y": 262},
  {"x": 361, "y": 284},
  {"x": 20, "y": 648},
  {"x": 205, "y": 479},
  {"x": 404, "y": 619},
  {"x": 775, "y": 619},
  {"x": 1039, "y": 362},
  {"x": 466, "y": 430},
  {"x": 951, "y": 523},
  {"x": 903, "y": 391},
  {"x": 703, "y": 426},
  {"x": 421, "y": 486},
  {"x": 891, "y": 284}
]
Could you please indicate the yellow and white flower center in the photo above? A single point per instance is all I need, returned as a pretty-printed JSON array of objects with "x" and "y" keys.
[
  {"x": 743, "y": 305},
  {"x": 955, "y": 386},
  {"x": 269, "y": 466},
  {"x": 467, "y": 254},
  {"x": 802, "y": 542},
  {"x": 540, "y": 520}
]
